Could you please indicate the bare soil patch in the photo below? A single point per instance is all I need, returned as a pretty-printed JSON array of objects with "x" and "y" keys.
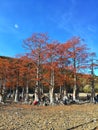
[{"x": 68, "y": 117}]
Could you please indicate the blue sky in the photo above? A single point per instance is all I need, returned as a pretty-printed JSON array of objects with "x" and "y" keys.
[{"x": 62, "y": 19}]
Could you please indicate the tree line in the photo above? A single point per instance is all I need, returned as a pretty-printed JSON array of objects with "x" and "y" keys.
[{"x": 48, "y": 64}]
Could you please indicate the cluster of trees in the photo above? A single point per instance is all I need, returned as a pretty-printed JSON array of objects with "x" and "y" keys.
[{"x": 48, "y": 64}]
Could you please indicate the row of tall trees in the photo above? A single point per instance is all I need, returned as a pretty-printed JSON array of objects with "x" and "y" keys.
[{"x": 48, "y": 64}]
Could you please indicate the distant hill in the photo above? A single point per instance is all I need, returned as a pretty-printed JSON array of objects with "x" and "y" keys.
[{"x": 5, "y": 57}]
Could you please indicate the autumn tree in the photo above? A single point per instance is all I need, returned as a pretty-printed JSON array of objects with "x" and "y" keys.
[
  {"x": 11, "y": 77},
  {"x": 4, "y": 69},
  {"x": 78, "y": 57},
  {"x": 51, "y": 67},
  {"x": 64, "y": 71},
  {"x": 92, "y": 65},
  {"x": 27, "y": 72},
  {"x": 35, "y": 46},
  {"x": 15, "y": 76}
]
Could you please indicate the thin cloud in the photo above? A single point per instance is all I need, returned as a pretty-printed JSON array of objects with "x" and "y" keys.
[
  {"x": 92, "y": 28},
  {"x": 66, "y": 20}
]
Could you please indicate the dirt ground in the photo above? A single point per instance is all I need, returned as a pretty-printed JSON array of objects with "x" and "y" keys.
[{"x": 68, "y": 117}]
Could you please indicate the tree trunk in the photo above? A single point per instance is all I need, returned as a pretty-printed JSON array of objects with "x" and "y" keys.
[
  {"x": 0, "y": 86},
  {"x": 27, "y": 93},
  {"x": 92, "y": 83},
  {"x": 61, "y": 92},
  {"x": 16, "y": 95},
  {"x": 13, "y": 94},
  {"x": 75, "y": 87},
  {"x": 51, "y": 90},
  {"x": 4, "y": 90},
  {"x": 74, "y": 93},
  {"x": 75, "y": 77},
  {"x": 92, "y": 89},
  {"x": 51, "y": 95},
  {"x": 65, "y": 92},
  {"x": 37, "y": 93},
  {"x": 22, "y": 95},
  {"x": 41, "y": 90},
  {"x": 1, "y": 98}
]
